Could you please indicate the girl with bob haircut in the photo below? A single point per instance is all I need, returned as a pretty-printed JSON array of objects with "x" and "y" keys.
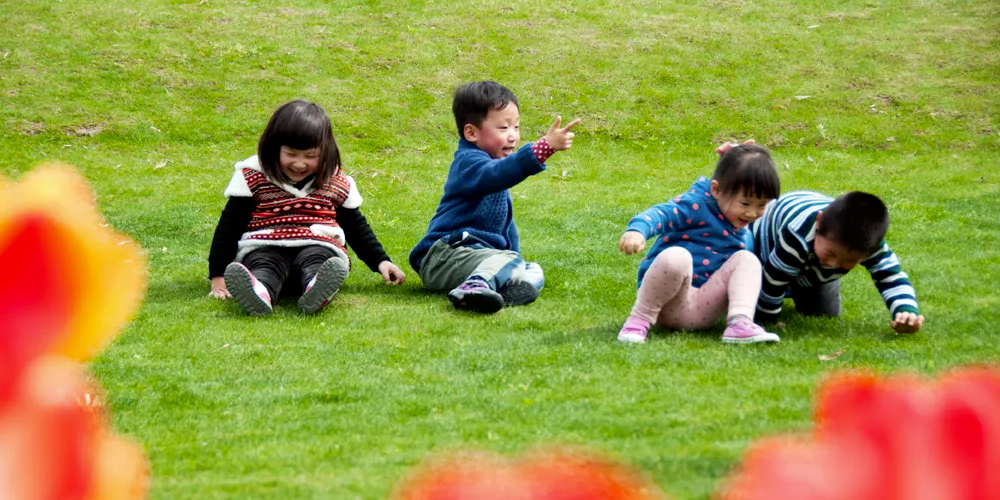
[
  {"x": 702, "y": 264},
  {"x": 290, "y": 215}
]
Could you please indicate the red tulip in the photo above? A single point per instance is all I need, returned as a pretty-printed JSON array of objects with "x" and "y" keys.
[
  {"x": 892, "y": 439},
  {"x": 550, "y": 475},
  {"x": 70, "y": 283},
  {"x": 45, "y": 439}
]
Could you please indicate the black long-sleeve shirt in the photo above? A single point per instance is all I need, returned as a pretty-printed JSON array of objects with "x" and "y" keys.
[{"x": 239, "y": 210}]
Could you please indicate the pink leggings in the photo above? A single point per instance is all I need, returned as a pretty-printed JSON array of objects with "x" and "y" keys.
[{"x": 666, "y": 297}]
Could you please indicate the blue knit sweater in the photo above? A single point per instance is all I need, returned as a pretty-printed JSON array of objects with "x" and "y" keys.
[
  {"x": 692, "y": 221},
  {"x": 476, "y": 199}
]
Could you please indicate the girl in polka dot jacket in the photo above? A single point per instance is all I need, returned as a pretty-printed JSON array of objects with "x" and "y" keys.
[
  {"x": 290, "y": 216},
  {"x": 702, "y": 264}
]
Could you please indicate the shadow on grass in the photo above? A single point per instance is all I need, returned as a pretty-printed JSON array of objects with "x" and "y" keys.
[{"x": 607, "y": 332}]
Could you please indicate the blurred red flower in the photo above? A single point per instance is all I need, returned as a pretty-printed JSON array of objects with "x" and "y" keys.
[
  {"x": 561, "y": 474},
  {"x": 886, "y": 439},
  {"x": 69, "y": 285}
]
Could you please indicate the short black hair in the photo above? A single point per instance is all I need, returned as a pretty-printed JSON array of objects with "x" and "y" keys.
[
  {"x": 856, "y": 220},
  {"x": 473, "y": 101},
  {"x": 299, "y": 125},
  {"x": 748, "y": 169}
]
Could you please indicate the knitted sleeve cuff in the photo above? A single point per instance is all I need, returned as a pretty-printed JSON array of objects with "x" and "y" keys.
[
  {"x": 542, "y": 150},
  {"x": 905, "y": 309}
]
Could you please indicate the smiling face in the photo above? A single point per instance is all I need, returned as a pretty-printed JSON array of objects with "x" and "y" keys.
[
  {"x": 739, "y": 209},
  {"x": 499, "y": 133},
  {"x": 297, "y": 164}
]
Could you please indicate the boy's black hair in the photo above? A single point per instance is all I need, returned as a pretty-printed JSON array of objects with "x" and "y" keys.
[
  {"x": 473, "y": 101},
  {"x": 299, "y": 125},
  {"x": 747, "y": 169},
  {"x": 856, "y": 220}
]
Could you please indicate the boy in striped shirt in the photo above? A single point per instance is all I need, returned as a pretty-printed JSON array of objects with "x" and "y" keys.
[{"x": 807, "y": 241}]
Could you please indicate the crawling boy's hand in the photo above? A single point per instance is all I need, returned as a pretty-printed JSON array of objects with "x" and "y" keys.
[
  {"x": 560, "y": 139},
  {"x": 632, "y": 242},
  {"x": 907, "y": 322}
]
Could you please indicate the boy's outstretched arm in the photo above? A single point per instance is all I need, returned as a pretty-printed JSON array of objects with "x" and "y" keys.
[
  {"x": 896, "y": 290},
  {"x": 784, "y": 263},
  {"x": 479, "y": 175}
]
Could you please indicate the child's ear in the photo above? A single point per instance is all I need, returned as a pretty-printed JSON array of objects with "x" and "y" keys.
[
  {"x": 714, "y": 188},
  {"x": 819, "y": 215},
  {"x": 470, "y": 132}
]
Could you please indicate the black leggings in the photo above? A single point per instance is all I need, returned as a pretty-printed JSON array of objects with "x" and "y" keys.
[{"x": 279, "y": 266}]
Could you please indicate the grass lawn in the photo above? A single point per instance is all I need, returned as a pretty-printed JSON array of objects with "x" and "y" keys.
[{"x": 155, "y": 100}]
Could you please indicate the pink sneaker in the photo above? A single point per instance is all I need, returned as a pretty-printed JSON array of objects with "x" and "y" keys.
[
  {"x": 634, "y": 330},
  {"x": 744, "y": 331},
  {"x": 323, "y": 287},
  {"x": 249, "y": 293}
]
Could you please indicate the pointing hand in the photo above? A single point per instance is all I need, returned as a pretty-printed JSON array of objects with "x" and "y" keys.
[{"x": 561, "y": 139}]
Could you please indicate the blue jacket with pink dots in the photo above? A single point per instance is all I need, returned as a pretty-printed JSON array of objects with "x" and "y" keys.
[{"x": 693, "y": 221}]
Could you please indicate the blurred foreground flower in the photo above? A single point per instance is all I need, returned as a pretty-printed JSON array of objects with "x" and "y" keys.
[
  {"x": 69, "y": 285},
  {"x": 545, "y": 475},
  {"x": 886, "y": 439}
]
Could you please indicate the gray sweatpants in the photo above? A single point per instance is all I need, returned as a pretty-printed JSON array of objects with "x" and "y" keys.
[
  {"x": 448, "y": 264},
  {"x": 823, "y": 300}
]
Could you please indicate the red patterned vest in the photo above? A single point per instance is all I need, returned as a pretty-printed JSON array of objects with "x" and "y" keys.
[{"x": 284, "y": 219}]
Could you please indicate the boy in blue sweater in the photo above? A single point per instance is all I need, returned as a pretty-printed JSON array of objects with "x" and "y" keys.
[{"x": 471, "y": 249}]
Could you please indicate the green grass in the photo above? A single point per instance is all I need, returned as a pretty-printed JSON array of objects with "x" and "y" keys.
[{"x": 155, "y": 100}]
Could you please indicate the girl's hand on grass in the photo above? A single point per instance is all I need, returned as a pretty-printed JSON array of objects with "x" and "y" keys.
[
  {"x": 219, "y": 290},
  {"x": 907, "y": 322},
  {"x": 392, "y": 274},
  {"x": 723, "y": 149},
  {"x": 560, "y": 139},
  {"x": 632, "y": 242}
]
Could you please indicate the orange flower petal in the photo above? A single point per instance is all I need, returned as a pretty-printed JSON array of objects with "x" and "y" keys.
[
  {"x": 45, "y": 440},
  {"x": 578, "y": 475},
  {"x": 34, "y": 300},
  {"x": 89, "y": 279},
  {"x": 462, "y": 476},
  {"x": 896, "y": 438},
  {"x": 563, "y": 474},
  {"x": 121, "y": 471}
]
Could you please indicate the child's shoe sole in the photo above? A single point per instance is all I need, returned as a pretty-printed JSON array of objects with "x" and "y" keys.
[
  {"x": 484, "y": 301},
  {"x": 239, "y": 282},
  {"x": 329, "y": 278},
  {"x": 632, "y": 338},
  {"x": 518, "y": 293},
  {"x": 764, "y": 337}
]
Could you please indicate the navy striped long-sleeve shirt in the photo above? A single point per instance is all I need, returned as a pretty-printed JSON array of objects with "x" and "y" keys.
[{"x": 783, "y": 241}]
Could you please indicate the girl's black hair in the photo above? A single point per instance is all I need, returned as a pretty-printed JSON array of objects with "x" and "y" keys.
[
  {"x": 747, "y": 169},
  {"x": 473, "y": 101},
  {"x": 299, "y": 125}
]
